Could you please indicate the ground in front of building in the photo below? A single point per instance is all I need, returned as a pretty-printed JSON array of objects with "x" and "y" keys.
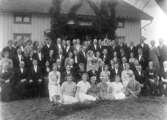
[{"x": 41, "y": 109}]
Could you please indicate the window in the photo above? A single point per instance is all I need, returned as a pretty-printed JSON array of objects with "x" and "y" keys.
[
  {"x": 22, "y": 36},
  {"x": 22, "y": 19},
  {"x": 121, "y": 23}
]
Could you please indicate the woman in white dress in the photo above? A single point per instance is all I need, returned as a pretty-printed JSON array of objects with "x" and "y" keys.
[
  {"x": 105, "y": 88},
  {"x": 90, "y": 58},
  {"x": 99, "y": 61},
  {"x": 118, "y": 89},
  {"x": 105, "y": 72},
  {"x": 82, "y": 88},
  {"x": 68, "y": 90},
  {"x": 69, "y": 60},
  {"x": 54, "y": 85}
]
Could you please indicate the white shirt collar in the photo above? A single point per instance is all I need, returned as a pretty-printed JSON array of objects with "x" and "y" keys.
[{"x": 21, "y": 69}]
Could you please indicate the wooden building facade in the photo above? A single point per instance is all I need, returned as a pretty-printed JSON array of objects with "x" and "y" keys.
[{"x": 29, "y": 19}]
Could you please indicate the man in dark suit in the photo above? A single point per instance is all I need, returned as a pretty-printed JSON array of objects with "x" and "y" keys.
[
  {"x": 68, "y": 48},
  {"x": 61, "y": 57},
  {"x": 21, "y": 77},
  {"x": 140, "y": 76},
  {"x": 82, "y": 57},
  {"x": 162, "y": 51},
  {"x": 142, "y": 60},
  {"x": 18, "y": 58},
  {"x": 94, "y": 47},
  {"x": 132, "y": 49},
  {"x": 123, "y": 61},
  {"x": 101, "y": 47},
  {"x": 105, "y": 57},
  {"x": 47, "y": 47},
  {"x": 51, "y": 59},
  {"x": 115, "y": 72},
  {"x": 152, "y": 79},
  {"x": 39, "y": 56},
  {"x": 35, "y": 80},
  {"x": 145, "y": 49}
]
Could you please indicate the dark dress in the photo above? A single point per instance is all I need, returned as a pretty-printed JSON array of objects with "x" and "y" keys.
[
  {"x": 7, "y": 93},
  {"x": 164, "y": 83},
  {"x": 152, "y": 81}
]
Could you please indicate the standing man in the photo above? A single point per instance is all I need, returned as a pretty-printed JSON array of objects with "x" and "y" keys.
[{"x": 145, "y": 48}]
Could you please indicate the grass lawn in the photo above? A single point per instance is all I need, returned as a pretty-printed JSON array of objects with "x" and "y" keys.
[{"x": 40, "y": 109}]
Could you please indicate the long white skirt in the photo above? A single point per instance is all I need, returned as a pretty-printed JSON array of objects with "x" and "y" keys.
[
  {"x": 69, "y": 99},
  {"x": 53, "y": 90},
  {"x": 85, "y": 97}
]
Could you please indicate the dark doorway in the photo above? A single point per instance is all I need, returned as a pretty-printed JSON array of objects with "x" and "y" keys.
[{"x": 81, "y": 32}]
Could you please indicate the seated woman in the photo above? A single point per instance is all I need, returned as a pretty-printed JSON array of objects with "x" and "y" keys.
[
  {"x": 69, "y": 60},
  {"x": 90, "y": 58},
  {"x": 133, "y": 87},
  {"x": 82, "y": 88},
  {"x": 105, "y": 71},
  {"x": 54, "y": 85},
  {"x": 93, "y": 90},
  {"x": 105, "y": 89},
  {"x": 118, "y": 89},
  {"x": 68, "y": 90},
  {"x": 125, "y": 75},
  {"x": 7, "y": 83}
]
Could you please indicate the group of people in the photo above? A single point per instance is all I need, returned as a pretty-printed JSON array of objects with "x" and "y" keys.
[{"x": 71, "y": 71}]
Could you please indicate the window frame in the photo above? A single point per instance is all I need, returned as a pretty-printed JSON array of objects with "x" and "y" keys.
[
  {"x": 22, "y": 35},
  {"x": 23, "y": 16}
]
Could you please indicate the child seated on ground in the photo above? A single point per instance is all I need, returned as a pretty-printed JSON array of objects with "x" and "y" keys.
[
  {"x": 82, "y": 88},
  {"x": 118, "y": 89},
  {"x": 93, "y": 90},
  {"x": 133, "y": 87},
  {"x": 105, "y": 90},
  {"x": 68, "y": 90}
]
